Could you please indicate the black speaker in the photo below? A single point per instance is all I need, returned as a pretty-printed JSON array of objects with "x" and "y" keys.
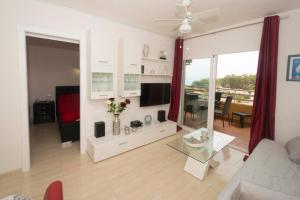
[
  {"x": 161, "y": 115},
  {"x": 99, "y": 129}
]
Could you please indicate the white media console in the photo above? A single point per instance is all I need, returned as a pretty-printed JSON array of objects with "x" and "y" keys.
[{"x": 110, "y": 145}]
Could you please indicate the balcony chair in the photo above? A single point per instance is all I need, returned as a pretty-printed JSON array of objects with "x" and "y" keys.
[
  {"x": 225, "y": 111},
  {"x": 218, "y": 96},
  {"x": 189, "y": 109}
]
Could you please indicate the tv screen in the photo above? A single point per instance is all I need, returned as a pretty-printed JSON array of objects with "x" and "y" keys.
[{"x": 155, "y": 94}]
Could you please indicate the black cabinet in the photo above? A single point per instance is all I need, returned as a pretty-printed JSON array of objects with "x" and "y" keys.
[{"x": 43, "y": 112}]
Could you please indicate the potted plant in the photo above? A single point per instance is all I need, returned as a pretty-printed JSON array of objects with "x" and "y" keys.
[{"x": 116, "y": 108}]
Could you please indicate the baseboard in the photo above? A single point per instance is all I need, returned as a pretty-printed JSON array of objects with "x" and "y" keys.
[{"x": 10, "y": 173}]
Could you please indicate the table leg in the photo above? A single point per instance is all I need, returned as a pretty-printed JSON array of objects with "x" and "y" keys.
[
  {"x": 198, "y": 169},
  {"x": 242, "y": 121}
]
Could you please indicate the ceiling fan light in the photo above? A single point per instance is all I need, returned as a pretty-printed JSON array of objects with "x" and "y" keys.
[{"x": 185, "y": 28}]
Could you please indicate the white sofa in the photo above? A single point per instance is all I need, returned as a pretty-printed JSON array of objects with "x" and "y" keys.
[{"x": 269, "y": 168}]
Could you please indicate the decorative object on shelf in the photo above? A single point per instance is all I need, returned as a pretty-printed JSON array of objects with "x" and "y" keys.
[
  {"x": 163, "y": 55},
  {"x": 127, "y": 130},
  {"x": 146, "y": 50},
  {"x": 293, "y": 68},
  {"x": 204, "y": 135},
  {"x": 148, "y": 120},
  {"x": 116, "y": 124},
  {"x": 116, "y": 109},
  {"x": 136, "y": 124},
  {"x": 194, "y": 142},
  {"x": 133, "y": 129},
  {"x": 142, "y": 69}
]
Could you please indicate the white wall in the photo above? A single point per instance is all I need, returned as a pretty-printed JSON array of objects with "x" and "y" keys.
[
  {"x": 288, "y": 99},
  {"x": 49, "y": 67},
  {"x": 248, "y": 39},
  {"x": 46, "y": 16}
]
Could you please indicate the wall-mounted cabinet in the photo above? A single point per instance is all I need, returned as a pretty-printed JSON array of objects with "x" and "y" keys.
[
  {"x": 102, "y": 85},
  {"x": 102, "y": 49},
  {"x": 129, "y": 67},
  {"x": 102, "y": 56}
]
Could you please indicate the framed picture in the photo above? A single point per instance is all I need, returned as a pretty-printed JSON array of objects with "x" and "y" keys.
[{"x": 293, "y": 68}]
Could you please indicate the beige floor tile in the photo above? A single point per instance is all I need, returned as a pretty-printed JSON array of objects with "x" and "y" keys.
[{"x": 152, "y": 172}]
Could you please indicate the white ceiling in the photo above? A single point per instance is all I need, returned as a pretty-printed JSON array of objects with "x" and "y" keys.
[{"x": 139, "y": 13}]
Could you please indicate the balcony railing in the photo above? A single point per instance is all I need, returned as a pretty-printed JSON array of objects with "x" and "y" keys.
[{"x": 239, "y": 96}]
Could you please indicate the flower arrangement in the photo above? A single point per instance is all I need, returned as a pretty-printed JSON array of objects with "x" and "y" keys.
[{"x": 116, "y": 108}]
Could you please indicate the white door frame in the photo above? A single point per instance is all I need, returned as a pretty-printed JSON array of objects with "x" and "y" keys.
[
  {"x": 211, "y": 96},
  {"x": 24, "y": 112}
]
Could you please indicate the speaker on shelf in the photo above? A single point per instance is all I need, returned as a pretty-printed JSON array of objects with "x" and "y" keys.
[
  {"x": 161, "y": 115},
  {"x": 99, "y": 129}
]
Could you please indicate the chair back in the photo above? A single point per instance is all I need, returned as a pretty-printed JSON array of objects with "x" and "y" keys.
[
  {"x": 227, "y": 105},
  {"x": 54, "y": 191},
  {"x": 218, "y": 96}
]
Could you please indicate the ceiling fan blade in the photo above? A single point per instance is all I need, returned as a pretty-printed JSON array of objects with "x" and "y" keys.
[
  {"x": 198, "y": 22},
  {"x": 181, "y": 10},
  {"x": 163, "y": 20},
  {"x": 208, "y": 16}
]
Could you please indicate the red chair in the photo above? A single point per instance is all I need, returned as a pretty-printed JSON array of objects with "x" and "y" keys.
[{"x": 54, "y": 191}]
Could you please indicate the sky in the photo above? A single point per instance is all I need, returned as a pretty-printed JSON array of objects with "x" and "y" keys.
[{"x": 237, "y": 63}]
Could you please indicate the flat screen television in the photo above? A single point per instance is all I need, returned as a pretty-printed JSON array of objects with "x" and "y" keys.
[{"x": 153, "y": 94}]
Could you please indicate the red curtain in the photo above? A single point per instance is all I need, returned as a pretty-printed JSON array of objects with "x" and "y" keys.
[
  {"x": 263, "y": 114},
  {"x": 176, "y": 81}
]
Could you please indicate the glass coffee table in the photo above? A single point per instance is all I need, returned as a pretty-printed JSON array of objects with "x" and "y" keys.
[{"x": 201, "y": 158}]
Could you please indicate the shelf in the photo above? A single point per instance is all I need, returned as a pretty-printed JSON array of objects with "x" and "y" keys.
[
  {"x": 155, "y": 59},
  {"x": 169, "y": 75}
]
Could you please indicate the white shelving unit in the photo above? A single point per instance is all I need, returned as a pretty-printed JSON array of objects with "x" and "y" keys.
[
  {"x": 155, "y": 59},
  {"x": 129, "y": 67},
  {"x": 101, "y": 59},
  {"x": 156, "y": 67},
  {"x": 110, "y": 145}
]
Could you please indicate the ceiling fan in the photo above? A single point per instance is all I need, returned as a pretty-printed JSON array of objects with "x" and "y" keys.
[{"x": 186, "y": 18}]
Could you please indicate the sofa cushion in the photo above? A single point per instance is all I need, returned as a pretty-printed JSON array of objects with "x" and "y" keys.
[
  {"x": 249, "y": 191},
  {"x": 293, "y": 149},
  {"x": 268, "y": 166}
]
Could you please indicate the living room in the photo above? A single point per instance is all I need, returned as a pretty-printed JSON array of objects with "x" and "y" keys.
[{"x": 148, "y": 165}]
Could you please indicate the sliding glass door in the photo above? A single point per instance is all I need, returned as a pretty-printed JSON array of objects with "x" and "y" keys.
[{"x": 197, "y": 75}]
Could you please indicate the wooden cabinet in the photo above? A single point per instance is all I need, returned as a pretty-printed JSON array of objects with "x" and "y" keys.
[
  {"x": 102, "y": 64},
  {"x": 43, "y": 112},
  {"x": 129, "y": 67}
]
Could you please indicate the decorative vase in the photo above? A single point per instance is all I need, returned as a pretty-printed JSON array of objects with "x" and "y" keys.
[
  {"x": 116, "y": 125},
  {"x": 146, "y": 50}
]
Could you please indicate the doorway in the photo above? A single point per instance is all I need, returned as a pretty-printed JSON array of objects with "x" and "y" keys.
[
  {"x": 235, "y": 87},
  {"x": 23, "y": 32},
  {"x": 227, "y": 81},
  {"x": 53, "y": 96}
]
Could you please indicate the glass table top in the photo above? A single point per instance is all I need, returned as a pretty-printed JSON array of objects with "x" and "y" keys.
[{"x": 209, "y": 148}]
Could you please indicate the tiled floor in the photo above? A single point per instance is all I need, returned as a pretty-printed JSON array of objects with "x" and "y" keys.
[
  {"x": 154, "y": 172},
  {"x": 242, "y": 134}
]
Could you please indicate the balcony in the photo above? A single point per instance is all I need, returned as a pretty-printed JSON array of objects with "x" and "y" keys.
[{"x": 195, "y": 114}]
